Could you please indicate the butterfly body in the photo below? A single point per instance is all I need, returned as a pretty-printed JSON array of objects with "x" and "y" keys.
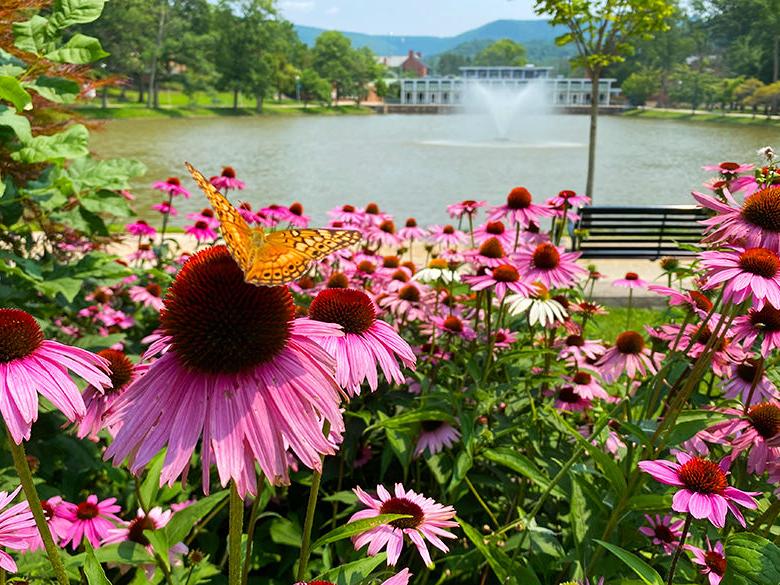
[{"x": 271, "y": 258}]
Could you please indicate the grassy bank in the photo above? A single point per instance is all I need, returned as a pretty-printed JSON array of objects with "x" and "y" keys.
[
  {"x": 738, "y": 119},
  {"x": 175, "y": 104}
]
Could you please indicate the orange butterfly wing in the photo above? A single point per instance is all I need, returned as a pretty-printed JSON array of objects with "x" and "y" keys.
[
  {"x": 235, "y": 230},
  {"x": 314, "y": 243}
]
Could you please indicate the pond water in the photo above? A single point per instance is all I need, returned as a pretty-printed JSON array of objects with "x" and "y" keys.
[{"x": 417, "y": 164}]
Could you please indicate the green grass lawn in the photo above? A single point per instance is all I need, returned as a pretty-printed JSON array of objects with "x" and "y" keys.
[
  {"x": 608, "y": 327},
  {"x": 709, "y": 117},
  {"x": 175, "y": 104}
]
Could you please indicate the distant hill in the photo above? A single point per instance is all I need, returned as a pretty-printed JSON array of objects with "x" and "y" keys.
[{"x": 537, "y": 35}]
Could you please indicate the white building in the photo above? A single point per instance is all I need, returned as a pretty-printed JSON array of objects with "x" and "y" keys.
[{"x": 450, "y": 90}]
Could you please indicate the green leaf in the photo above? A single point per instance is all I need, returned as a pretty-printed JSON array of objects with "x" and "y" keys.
[
  {"x": 12, "y": 91},
  {"x": 507, "y": 571},
  {"x": 56, "y": 89},
  {"x": 412, "y": 417},
  {"x": 69, "y": 12},
  {"x": 354, "y": 572},
  {"x": 79, "y": 50},
  {"x": 183, "y": 521},
  {"x": 287, "y": 532},
  {"x": 30, "y": 35},
  {"x": 92, "y": 569},
  {"x": 72, "y": 143},
  {"x": 650, "y": 503},
  {"x": 151, "y": 484},
  {"x": 751, "y": 560},
  {"x": 127, "y": 553},
  {"x": 645, "y": 572},
  {"x": 67, "y": 286},
  {"x": 353, "y": 528},
  {"x": 19, "y": 124},
  {"x": 159, "y": 541},
  {"x": 518, "y": 463}
]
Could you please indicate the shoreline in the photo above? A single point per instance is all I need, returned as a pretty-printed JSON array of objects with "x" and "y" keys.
[
  {"x": 715, "y": 117},
  {"x": 182, "y": 112}
]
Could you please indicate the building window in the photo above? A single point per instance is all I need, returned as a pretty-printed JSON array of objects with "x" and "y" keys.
[
  {"x": 421, "y": 98},
  {"x": 445, "y": 98},
  {"x": 433, "y": 98},
  {"x": 408, "y": 97},
  {"x": 574, "y": 98}
]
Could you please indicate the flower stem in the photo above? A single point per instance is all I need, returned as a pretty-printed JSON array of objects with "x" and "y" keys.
[
  {"x": 680, "y": 546},
  {"x": 630, "y": 303},
  {"x": 250, "y": 530},
  {"x": 25, "y": 476},
  {"x": 310, "y": 507},
  {"x": 234, "y": 536}
]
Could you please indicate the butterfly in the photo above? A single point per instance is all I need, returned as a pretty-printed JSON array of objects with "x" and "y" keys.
[{"x": 272, "y": 258}]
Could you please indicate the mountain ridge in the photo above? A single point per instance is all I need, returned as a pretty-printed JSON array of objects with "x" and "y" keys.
[{"x": 532, "y": 33}]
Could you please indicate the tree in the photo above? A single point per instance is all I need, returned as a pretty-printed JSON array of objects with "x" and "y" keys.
[
  {"x": 767, "y": 96},
  {"x": 745, "y": 91},
  {"x": 364, "y": 69},
  {"x": 604, "y": 32},
  {"x": 640, "y": 86},
  {"x": 332, "y": 53},
  {"x": 450, "y": 63},
  {"x": 504, "y": 52},
  {"x": 313, "y": 87}
]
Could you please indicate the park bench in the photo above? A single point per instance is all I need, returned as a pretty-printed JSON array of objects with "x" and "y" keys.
[{"x": 637, "y": 232}]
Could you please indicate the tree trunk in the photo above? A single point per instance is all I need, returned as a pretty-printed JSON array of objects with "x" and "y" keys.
[
  {"x": 776, "y": 67},
  {"x": 141, "y": 90},
  {"x": 259, "y": 104},
  {"x": 104, "y": 97},
  {"x": 153, "y": 99},
  {"x": 235, "y": 99},
  {"x": 156, "y": 95},
  {"x": 594, "y": 115}
]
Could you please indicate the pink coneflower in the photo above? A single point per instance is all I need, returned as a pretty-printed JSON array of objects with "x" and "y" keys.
[
  {"x": 754, "y": 431},
  {"x": 713, "y": 561},
  {"x": 245, "y": 210},
  {"x": 567, "y": 399},
  {"x": 297, "y": 217},
  {"x": 277, "y": 214},
  {"x": 435, "y": 436},
  {"x": 693, "y": 299},
  {"x": 630, "y": 280},
  {"x": 490, "y": 253},
  {"x": 578, "y": 349},
  {"x": 740, "y": 383},
  {"x": 166, "y": 209},
  {"x": 695, "y": 339},
  {"x": 347, "y": 214},
  {"x": 240, "y": 373},
  {"x": 227, "y": 180},
  {"x": 202, "y": 231},
  {"x": 133, "y": 531},
  {"x": 586, "y": 385},
  {"x": 569, "y": 199},
  {"x": 752, "y": 273},
  {"x": 427, "y": 522},
  {"x": 766, "y": 322},
  {"x": 30, "y": 364},
  {"x": 91, "y": 519},
  {"x": 629, "y": 355},
  {"x": 98, "y": 403},
  {"x": 549, "y": 264},
  {"x": 407, "y": 302},
  {"x": 455, "y": 326},
  {"x": 411, "y": 231},
  {"x": 520, "y": 209},
  {"x": 494, "y": 229},
  {"x": 446, "y": 236},
  {"x": 172, "y": 186},
  {"x": 729, "y": 169},
  {"x": 145, "y": 252},
  {"x": 58, "y": 526},
  {"x": 705, "y": 490},
  {"x": 466, "y": 207},
  {"x": 504, "y": 338},
  {"x": 755, "y": 224},
  {"x": 368, "y": 343},
  {"x": 400, "y": 578},
  {"x": 383, "y": 234},
  {"x": 149, "y": 295},
  {"x": 140, "y": 228},
  {"x": 17, "y": 528},
  {"x": 205, "y": 215},
  {"x": 503, "y": 278},
  {"x": 663, "y": 531}
]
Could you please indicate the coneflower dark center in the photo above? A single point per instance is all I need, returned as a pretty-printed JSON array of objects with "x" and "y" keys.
[
  {"x": 338, "y": 280},
  {"x": 87, "y": 511},
  {"x": 768, "y": 318},
  {"x": 582, "y": 378},
  {"x": 765, "y": 418},
  {"x": 703, "y": 476},
  {"x": 575, "y": 341},
  {"x": 518, "y": 198},
  {"x": 453, "y": 323},
  {"x": 506, "y": 273},
  {"x": 219, "y": 323},
  {"x": 409, "y": 293},
  {"x": 121, "y": 368},
  {"x": 762, "y": 209},
  {"x": 760, "y": 261},
  {"x": 546, "y": 257},
  {"x": 716, "y": 562},
  {"x": 352, "y": 309},
  {"x": 492, "y": 248},
  {"x": 403, "y": 506},
  {"x": 135, "y": 531},
  {"x": 630, "y": 342},
  {"x": 431, "y": 425},
  {"x": 663, "y": 533},
  {"x": 20, "y": 335},
  {"x": 495, "y": 228}
]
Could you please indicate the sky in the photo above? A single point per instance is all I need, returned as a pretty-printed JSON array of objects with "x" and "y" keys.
[{"x": 404, "y": 17}]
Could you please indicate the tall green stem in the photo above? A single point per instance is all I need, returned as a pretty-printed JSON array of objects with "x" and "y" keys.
[
  {"x": 308, "y": 523},
  {"x": 234, "y": 535},
  {"x": 25, "y": 476},
  {"x": 250, "y": 530},
  {"x": 680, "y": 546}
]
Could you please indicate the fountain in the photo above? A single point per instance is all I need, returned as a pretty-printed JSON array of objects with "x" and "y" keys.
[{"x": 506, "y": 107}]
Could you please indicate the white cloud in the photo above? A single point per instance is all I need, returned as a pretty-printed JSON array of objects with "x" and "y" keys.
[{"x": 296, "y": 5}]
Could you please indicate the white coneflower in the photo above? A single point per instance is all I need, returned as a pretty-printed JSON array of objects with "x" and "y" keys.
[
  {"x": 541, "y": 308},
  {"x": 438, "y": 269}
]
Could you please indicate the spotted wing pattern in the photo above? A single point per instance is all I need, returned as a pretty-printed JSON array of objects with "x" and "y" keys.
[
  {"x": 314, "y": 243},
  {"x": 235, "y": 230},
  {"x": 276, "y": 264}
]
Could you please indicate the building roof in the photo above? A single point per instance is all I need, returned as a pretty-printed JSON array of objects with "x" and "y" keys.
[{"x": 392, "y": 60}]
